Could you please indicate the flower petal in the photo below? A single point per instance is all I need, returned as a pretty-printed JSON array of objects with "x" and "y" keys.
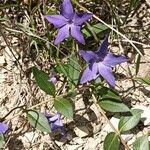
[
  {"x": 55, "y": 122},
  {"x": 62, "y": 34},
  {"x": 89, "y": 73},
  {"x": 88, "y": 56},
  {"x": 79, "y": 19},
  {"x": 102, "y": 50},
  {"x": 106, "y": 73},
  {"x": 76, "y": 33},
  {"x": 3, "y": 128},
  {"x": 57, "y": 20},
  {"x": 112, "y": 59},
  {"x": 67, "y": 9},
  {"x": 54, "y": 117}
]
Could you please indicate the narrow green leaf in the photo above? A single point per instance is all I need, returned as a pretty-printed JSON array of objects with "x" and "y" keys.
[
  {"x": 63, "y": 69},
  {"x": 38, "y": 121},
  {"x": 137, "y": 64},
  {"x": 113, "y": 106},
  {"x": 42, "y": 80},
  {"x": 2, "y": 141},
  {"x": 141, "y": 143},
  {"x": 97, "y": 28},
  {"x": 145, "y": 80},
  {"x": 128, "y": 122},
  {"x": 64, "y": 107},
  {"x": 74, "y": 70},
  {"x": 71, "y": 70},
  {"x": 104, "y": 92},
  {"x": 111, "y": 142}
]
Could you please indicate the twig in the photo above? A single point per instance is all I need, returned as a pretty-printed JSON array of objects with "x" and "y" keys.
[{"x": 111, "y": 125}]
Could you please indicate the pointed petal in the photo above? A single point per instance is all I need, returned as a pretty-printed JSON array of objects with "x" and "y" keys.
[
  {"x": 3, "y": 128},
  {"x": 76, "y": 33},
  {"x": 112, "y": 59},
  {"x": 67, "y": 9},
  {"x": 106, "y": 73},
  {"x": 54, "y": 117},
  {"x": 89, "y": 74},
  {"x": 88, "y": 56},
  {"x": 57, "y": 20},
  {"x": 102, "y": 50},
  {"x": 62, "y": 34},
  {"x": 81, "y": 18},
  {"x": 55, "y": 122}
]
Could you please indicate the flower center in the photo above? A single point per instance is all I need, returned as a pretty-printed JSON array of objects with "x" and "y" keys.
[
  {"x": 70, "y": 21},
  {"x": 98, "y": 59}
]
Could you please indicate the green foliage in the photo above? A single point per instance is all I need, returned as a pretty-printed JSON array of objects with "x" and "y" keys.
[
  {"x": 71, "y": 70},
  {"x": 128, "y": 122},
  {"x": 63, "y": 106},
  {"x": 42, "y": 80},
  {"x": 97, "y": 28},
  {"x": 111, "y": 142},
  {"x": 2, "y": 141},
  {"x": 113, "y": 106},
  {"x": 137, "y": 64},
  {"x": 145, "y": 80},
  {"x": 107, "y": 93},
  {"x": 38, "y": 121},
  {"x": 141, "y": 143}
]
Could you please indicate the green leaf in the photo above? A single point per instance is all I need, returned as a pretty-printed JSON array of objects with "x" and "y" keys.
[
  {"x": 97, "y": 28},
  {"x": 137, "y": 64},
  {"x": 63, "y": 69},
  {"x": 64, "y": 107},
  {"x": 38, "y": 121},
  {"x": 107, "y": 93},
  {"x": 2, "y": 141},
  {"x": 133, "y": 4},
  {"x": 145, "y": 80},
  {"x": 70, "y": 70},
  {"x": 141, "y": 143},
  {"x": 128, "y": 122},
  {"x": 42, "y": 80},
  {"x": 113, "y": 106},
  {"x": 74, "y": 70},
  {"x": 111, "y": 142}
]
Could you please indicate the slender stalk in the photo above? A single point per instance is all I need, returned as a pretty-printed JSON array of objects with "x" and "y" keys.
[{"x": 111, "y": 125}]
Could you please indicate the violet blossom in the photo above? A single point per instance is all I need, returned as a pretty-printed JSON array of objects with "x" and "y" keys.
[
  {"x": 55, "y": 122},
  {"x": 68, "y": 22},
  {"x": 100, "y": 62},
  {"x": 3, "y": 128},
  {"x": 53, "y": 78}
]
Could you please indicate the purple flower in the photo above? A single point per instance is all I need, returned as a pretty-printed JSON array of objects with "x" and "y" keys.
[
  {"x": 3, "y": 128},
  {"x": 53, "y": 78},
  {"x": 68, "y": 22},
  {"x": 55, "y": 122},
  {"x": 100, "y": 63}
]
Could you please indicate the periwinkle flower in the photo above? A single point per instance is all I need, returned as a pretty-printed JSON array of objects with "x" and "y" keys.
[
  {"x": 3, "y": 128},
  {"x": 100, "y": 62},
  {"x": 68, "y": 22},
  {"x": 53, "y": 78},
  {"x": 55, "y": 122}
]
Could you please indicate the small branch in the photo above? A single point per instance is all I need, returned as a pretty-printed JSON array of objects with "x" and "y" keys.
[
  {"x": 21, "y": 107},
  {"x": 108, "y": 121}
]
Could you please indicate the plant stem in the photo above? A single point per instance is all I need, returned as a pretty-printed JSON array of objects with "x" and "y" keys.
[{"x": 108, "y": 121}]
